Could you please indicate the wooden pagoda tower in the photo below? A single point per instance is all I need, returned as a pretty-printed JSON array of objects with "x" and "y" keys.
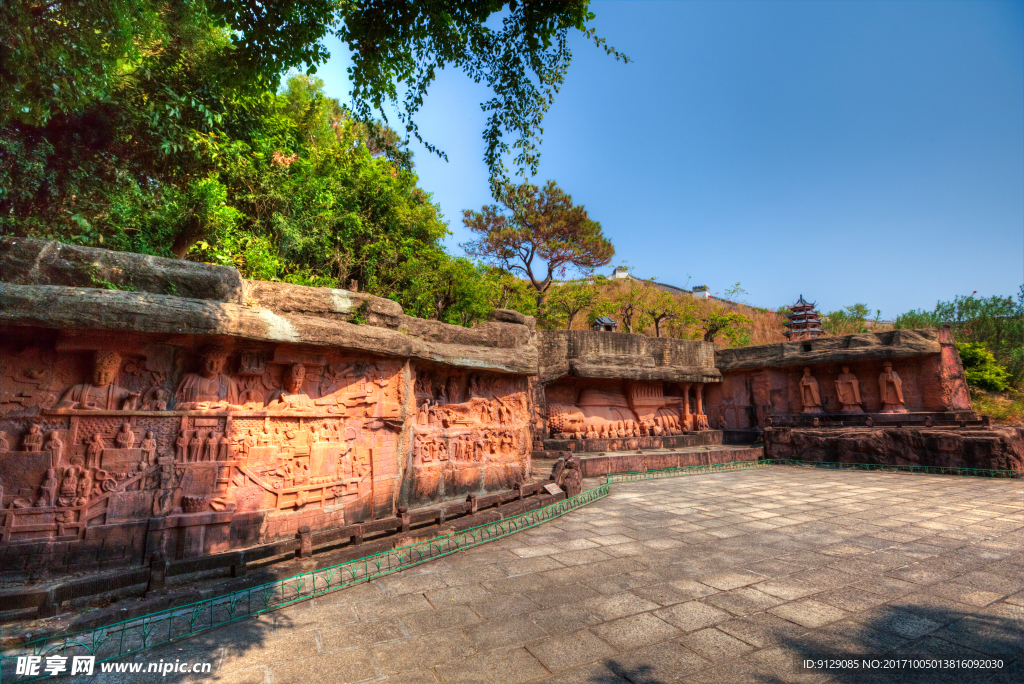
[{"x": 804, "y": 323}]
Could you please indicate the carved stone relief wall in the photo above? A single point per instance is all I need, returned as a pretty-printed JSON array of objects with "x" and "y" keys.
[
  {"x": 470, "y": 433},
  {"x": 596, "y": 409},
  {"x": 746, "y": 397},
  {"x": 98, "y": 435}
]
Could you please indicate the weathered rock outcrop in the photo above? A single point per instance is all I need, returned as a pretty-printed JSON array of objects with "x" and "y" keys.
[
  {"x": 592, "y": 354},
  {"x": 24, "y": 261},
  {"x": 995, "y": 449},
  {"x": 884, "y": 345}
]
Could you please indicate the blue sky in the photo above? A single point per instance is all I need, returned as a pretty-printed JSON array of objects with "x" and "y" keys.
[{"x": 847, "y": 151}]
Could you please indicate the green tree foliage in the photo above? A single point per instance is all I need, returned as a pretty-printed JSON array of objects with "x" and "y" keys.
[
  {"x": 849, "y": 320},
  {"x": 68, "y": 66},
  {"x": 397, "y": 48},
  {"x": 538, "y": 233},
  {"x": 995, "y": 322},
  {"x": 568, "y": 300},
  {"x": 661, "y": 307},
  {"x": 294, "y": 193},
  {"x": 631, "y": 303},
  {"x": 505, "y": 291},
  {"x": 732, "y": 325},
  {"x": 981, "y": 368}
]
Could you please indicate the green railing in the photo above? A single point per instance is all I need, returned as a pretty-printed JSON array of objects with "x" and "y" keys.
[
  {"x": 929, "y": 470},
  {"x": 130, "y": 636},
  {"x": 612, "y": 478}
]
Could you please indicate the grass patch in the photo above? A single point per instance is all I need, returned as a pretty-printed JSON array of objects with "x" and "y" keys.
[{"x": 1005, "y": 408}]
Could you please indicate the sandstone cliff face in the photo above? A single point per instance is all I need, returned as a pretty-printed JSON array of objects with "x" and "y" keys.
[
  {"x": 607, "y": 355},
  {"x": 234, "y": 412},
  {"x": 764, "y": 381},
  {"x": 24, "y": 261},
  {"x": 885, "y": 345},
  {"x": 61, "y": 287},
  {"x": 997, "y": 449}
]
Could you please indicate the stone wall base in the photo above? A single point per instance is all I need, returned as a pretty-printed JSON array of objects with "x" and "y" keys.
[{"x": 994, "y": 449}]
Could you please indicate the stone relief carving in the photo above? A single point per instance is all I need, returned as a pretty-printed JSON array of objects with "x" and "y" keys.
[
  {"x": 890, "y": 388},
  {"x": 103, "y": 392},
  {"x": 810, "y": 394},
  {"x": 643, "y": 410},
  {"x": 468, "y": 429},
  {"x": 211, "y": 387},
  {"x": 848, "y": 391},
  {"x": 240, "y": 431}
]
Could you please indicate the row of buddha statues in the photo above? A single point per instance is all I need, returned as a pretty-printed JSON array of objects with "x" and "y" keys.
[
  {"x": 890, "y": 390},
  {"x": 211, "y": 388}
]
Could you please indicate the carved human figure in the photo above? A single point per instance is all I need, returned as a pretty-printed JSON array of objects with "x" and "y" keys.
[
  {"x": 149, "y": 448},
  {"x": 848, "y": 391},
  {"x": 48, "y": 490},
  {"x": 55, "y": 446},
  {"x": 292, "y": 398},
  {"x": 248, "y": 442},
  {"x": 33, "y": 440},
  {"x": 251, "y": 398},
  {"x": 284, "y": 470},
  {"x": 102, "y": 393},
  {"x": 84, "y": 489},
  {"x": 210, "y": 447},
  {"x": 125, "y": 439},
  {"x": 195, "y": 446},
  {"x": 5, "y": 445},
  {"x": 156, "y": 400},
  {"x": 211, "y": 387},
  {"x": 69, "y": 485},
  {"x": 94, "y": 450},
  {"x": 810, "y": 395},
  {"x": 890, "y": 387},
  {"x": 182, "y": 443}
]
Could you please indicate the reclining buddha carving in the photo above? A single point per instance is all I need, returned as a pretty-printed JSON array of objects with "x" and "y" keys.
[{"x": 641, "y": 410}]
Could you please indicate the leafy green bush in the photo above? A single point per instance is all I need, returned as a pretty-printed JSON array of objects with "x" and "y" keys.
[
  {"x": 981, "y": 368},
  {"x": 996, "y": 323}
]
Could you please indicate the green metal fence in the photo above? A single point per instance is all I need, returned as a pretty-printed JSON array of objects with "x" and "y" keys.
[
  {"x": 929, "y": 470},
  {"x": 130, "y": 636},
  {"x": 612, "y": 478}
]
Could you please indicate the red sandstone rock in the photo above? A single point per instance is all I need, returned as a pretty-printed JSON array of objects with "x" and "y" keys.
[{"x": 996, "y": 449}]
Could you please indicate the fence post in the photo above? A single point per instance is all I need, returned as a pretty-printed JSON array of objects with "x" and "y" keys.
[
  {"x": 238, "y": 568},
  {"x": 305, "y": 542},
  {"x": 157, "y": 572},
  {"x": 50, "y": 605}
]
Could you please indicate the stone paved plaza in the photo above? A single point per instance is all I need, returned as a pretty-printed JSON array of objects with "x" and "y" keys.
[{"x": 729, "y": 577}]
